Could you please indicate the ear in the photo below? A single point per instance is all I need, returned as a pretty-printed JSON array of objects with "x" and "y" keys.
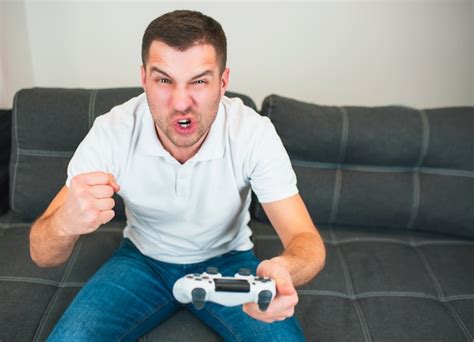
[
  {"x": 225, "y": 81},
  {"x": 143, "y": 77}
]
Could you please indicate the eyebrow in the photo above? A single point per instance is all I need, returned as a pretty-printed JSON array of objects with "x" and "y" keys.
[{"x": 204, "y": 73}]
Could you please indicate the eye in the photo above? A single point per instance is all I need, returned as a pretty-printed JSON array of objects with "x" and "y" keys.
[
  {"x": 163, "y": 80},
  {"x": 200, "y": 82}
]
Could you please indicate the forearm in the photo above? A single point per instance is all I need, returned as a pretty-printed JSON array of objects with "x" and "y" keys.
[
  {"x": 48, "y": 247},
  {"x": 304, "y": 257}
]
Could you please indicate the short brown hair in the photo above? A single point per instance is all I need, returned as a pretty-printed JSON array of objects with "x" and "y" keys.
[{"x": 182, "y": 29}]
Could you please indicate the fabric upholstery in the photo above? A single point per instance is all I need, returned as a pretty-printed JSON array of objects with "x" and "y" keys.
[
  {"x": 384, "y": 279},
  {"x": 392, "y": 166}
]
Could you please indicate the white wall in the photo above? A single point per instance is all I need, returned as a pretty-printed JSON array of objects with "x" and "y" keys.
[{"x": 417, "y": 53}]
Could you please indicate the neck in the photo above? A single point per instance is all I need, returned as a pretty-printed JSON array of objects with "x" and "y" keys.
[{"x": 181, "y": 154}]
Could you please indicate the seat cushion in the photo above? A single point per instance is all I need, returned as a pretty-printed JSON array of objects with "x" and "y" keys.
[
  {"x": 40, "y": 295},
  {"x": 385, "y": 285}
]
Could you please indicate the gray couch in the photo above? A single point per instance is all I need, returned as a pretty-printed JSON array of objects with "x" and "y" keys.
[{"x": 390, "y": 188}]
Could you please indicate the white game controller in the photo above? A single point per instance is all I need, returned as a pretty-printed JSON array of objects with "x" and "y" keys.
[{"x": 211, "y": 286}]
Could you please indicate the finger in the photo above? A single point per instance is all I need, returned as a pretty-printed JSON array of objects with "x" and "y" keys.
[
  {"x": 98, "y": 178},
  {"x": 285, "y": 287},
  {"x": 113, "y": 183},
  {"x": 104, "y": 204},
  {"x": 106, "y": 216},
  {"x": 101, "y": 191}
]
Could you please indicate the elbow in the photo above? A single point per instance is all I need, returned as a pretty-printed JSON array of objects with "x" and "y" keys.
[
  {"x": 37, "y": 261},
  {"x": 321, "y": 255}
]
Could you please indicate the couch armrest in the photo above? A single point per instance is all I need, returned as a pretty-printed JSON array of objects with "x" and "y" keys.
[{"x": 5, "y": 149}]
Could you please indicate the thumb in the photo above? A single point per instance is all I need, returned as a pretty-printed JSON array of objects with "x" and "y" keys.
[
  {"x": 113, "y": 183},
  {"x": 285, "y": 288}
]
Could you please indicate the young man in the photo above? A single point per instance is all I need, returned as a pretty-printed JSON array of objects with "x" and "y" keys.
[{"x": 184, "y": 158}]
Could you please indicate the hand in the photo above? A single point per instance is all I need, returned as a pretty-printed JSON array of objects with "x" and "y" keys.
[
  {"x": 88, "y": 204},
  {"x": 286, "y": 298}
]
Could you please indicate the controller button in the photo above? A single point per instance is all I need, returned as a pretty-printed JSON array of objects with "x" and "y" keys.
[
  {"x": 205, "y": 277},
  {"x": 198, "y": 279},
  {"x": 244, "y": 272},
  {"x": 189, "y": 277},
  {"x": 212, "y": 270},
  {"x": 264, "y": 299},
  {"x": 198, "y": 296},
  {"x": 197, "y": 274}
]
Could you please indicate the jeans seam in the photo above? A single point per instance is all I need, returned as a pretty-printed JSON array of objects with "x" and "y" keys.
[
  {"x": 142, "y": 320},
  {"x": 233, "y": 333}
]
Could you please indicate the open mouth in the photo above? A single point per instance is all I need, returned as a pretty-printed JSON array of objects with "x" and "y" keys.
[{"x": 185, "y": 123}]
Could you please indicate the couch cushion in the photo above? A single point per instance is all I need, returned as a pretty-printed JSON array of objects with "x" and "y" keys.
[
  {"x": 48, "y": 125},
  {"x": 389, "y": 166},
  {"x": 385, "y": 285},
  {"x": 40, "y": 295},
  {"x": 378, "y": 284}
]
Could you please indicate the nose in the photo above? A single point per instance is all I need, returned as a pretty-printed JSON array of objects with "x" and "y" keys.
[{"x": 181, "y": 100}]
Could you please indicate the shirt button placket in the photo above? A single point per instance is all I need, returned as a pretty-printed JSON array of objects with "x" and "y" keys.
[{"x": 182, "y": 183}]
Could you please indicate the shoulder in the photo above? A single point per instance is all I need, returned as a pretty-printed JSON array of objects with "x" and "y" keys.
[
  {"x": 124, "y": 115},
  {"x": 243, "y": 122}
]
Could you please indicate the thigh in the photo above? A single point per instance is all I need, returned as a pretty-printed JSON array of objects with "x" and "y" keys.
[
  {"x": 231, "y": 322},
  {"x": 121, "y": 302}
]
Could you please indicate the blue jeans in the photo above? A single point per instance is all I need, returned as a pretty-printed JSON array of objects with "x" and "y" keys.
[{"x": 132, "y": 293}]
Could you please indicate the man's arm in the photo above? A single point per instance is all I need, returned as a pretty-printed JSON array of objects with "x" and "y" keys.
[
  {"x": 48, "y": 246},
  {"x": 304, "y": 256},
  {"x": 79, "y": 210},
  {"x": 304, "y": 252}
]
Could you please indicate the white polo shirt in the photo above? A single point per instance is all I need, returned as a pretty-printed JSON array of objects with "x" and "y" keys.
[{"x": 188, "y": 213}]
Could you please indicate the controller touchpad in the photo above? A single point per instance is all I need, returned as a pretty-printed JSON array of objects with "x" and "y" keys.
[{"x": 232, "y": 285}]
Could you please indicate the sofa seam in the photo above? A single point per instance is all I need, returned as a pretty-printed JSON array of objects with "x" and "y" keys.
[
  {"x": 17, "y": 154},
  {"x": 339, "y": 172},
  {"x": 440, "y": 293},
  {"x": 459, "y": 321},
  {"x": 52, "y": 302},
  {"x": 425, "y": 140},
  {"x": 270, "y": 108},
  {"x": 351, "y": 293},
  {"x": 341, "y": 242},
  {"x": 92, "y": 98}
]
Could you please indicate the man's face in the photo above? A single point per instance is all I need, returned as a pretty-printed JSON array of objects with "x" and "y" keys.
[{"x": 183, "y": 90}]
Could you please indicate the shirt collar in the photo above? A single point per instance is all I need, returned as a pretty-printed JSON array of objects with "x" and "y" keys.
[{"x": 213, "y": 147}]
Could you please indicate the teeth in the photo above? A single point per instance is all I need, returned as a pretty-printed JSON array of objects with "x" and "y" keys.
[{"x": 181, "y": 122}]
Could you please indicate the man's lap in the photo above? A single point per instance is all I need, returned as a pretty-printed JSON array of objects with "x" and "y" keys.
[{"x": 132, "y": 293}]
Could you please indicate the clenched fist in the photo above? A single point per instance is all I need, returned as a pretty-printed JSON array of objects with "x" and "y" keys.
[{"x": 89, "y": 203}]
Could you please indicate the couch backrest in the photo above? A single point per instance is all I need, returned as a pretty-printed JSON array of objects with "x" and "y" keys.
[
  {"x": 48, "y": 125},
  {"x": 381, "y": 167}
]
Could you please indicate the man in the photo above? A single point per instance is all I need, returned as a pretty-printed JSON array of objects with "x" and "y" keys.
[{"x": 184, "y": 158}]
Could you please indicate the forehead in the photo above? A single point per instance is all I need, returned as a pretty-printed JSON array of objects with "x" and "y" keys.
[{"x": 195, "y": 57}]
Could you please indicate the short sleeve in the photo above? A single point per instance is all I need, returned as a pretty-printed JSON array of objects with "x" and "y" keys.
[
  {"x": 271, "y": 174},
  {"x": 92, "y": 154}
]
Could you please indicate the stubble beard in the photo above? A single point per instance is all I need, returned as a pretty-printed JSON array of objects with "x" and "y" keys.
[{"x": 204, "y": 122}]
